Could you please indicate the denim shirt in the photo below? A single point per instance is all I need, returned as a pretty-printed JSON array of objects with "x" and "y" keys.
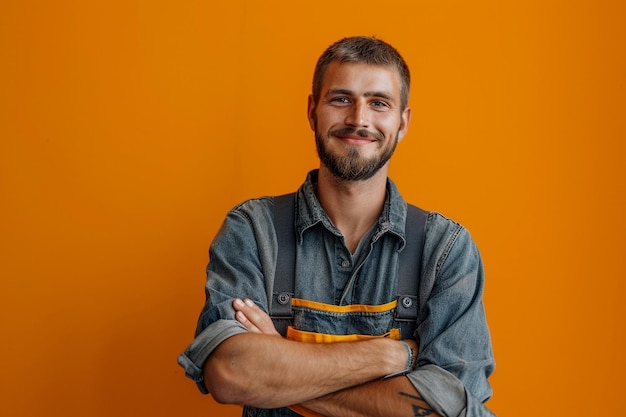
[{"x": 455, "y": 356}]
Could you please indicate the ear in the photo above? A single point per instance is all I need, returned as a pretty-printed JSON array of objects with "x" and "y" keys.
[
  {"x": 405, "y": 118},
  {"x": 311, "y": 112}
]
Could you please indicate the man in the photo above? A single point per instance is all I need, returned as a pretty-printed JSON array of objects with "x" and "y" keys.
[{"x": 350, "y": 233}]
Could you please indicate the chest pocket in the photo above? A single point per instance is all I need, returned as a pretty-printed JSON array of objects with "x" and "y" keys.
[
  {"x": 315, "y": 322},
  {"x": 306, "y": 318}
]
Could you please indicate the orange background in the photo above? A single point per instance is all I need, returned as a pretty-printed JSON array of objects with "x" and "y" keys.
[{"x": 129, "y": 128}]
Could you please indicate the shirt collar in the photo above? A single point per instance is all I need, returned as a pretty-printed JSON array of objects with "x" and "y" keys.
[{"x": 309, "y": 212}]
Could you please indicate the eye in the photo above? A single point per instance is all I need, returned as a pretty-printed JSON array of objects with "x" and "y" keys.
[
  {"x": 340, "y": 99},
  {"x": 379, "y": 103}
]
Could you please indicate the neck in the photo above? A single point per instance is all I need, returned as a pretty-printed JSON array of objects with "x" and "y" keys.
[{"x": 353, "y": 206}]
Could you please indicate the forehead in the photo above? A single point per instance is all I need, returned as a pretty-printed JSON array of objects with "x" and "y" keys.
[{"x": 361, "y": 78}]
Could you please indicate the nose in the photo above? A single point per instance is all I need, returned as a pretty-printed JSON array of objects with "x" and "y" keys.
[{"x": 357, "y": 115}]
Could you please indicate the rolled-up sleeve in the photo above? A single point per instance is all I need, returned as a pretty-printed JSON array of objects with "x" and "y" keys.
[
  {"x": 238, "y": 258},
  {"x": 445, "y": 393},
  {"x": 193, "y": 358},
  {"x": 455, "y": 355}
]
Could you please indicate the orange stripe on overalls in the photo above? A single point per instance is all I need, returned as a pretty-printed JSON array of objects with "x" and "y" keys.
[{"x": 312, "y": 337}]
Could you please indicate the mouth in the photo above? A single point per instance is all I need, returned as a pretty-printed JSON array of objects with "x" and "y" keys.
[
  {"x": 355, "y": 140},
  {"x": 356, "y": 137}
]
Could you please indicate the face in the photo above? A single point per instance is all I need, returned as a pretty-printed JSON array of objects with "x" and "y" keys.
[{"x": 357, "y": 121}]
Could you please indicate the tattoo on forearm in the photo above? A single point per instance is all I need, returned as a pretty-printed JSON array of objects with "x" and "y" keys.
[{"x": 417, "y": 409}]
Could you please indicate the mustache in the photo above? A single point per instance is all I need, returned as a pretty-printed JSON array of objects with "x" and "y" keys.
[{"x": 359, "y": 132}]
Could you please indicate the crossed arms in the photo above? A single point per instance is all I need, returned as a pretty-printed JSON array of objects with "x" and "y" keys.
[
  {"x": 261, "y": 369},
  {"x": 244, "y": 362}
]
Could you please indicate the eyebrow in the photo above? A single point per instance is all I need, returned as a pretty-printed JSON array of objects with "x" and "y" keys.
[{"x": 347, "y": 92}]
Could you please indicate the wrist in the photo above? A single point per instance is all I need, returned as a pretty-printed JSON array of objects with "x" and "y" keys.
[
  {"x": 409, "y": 353},
  {"x": 404, "y": 361}
]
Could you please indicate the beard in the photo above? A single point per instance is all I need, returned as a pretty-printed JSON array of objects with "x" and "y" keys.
[{"x": 352, "y": 166}]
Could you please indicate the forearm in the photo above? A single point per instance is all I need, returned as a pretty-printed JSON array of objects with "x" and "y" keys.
[
  {"x": 268, "y": 371},
  {"x": 395, "y": 397}
]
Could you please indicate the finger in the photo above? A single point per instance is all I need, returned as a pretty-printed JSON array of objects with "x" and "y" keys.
[
  {"x": 247, "y": 306},
  {"x": 238, "y": 304},
  {"x": 241, "y": 318},
  {"x": 255, "y": 316},
  {"x": 260, "y": 319}
]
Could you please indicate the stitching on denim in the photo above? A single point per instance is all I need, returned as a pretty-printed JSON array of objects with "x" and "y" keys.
[
  {"x": 448, "y": 248},
  {"x": 239, "y": 211}
]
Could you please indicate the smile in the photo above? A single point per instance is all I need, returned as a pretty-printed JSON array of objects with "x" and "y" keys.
[
  {"x": 356, "y": 136},
  {"x": 356, "y": 139}
]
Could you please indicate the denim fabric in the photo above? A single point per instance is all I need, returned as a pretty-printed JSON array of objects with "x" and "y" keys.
[
  {"x": 455, "y": 356},
  {"x": 363, "y": 323}
]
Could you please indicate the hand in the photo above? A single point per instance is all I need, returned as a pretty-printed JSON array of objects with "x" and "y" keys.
[{"x": 253, "y": 318}]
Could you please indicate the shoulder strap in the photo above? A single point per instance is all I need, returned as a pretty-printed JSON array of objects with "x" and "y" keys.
[
  {"x": 284, "y": 277},
  {"x": 410, "y": 261}
]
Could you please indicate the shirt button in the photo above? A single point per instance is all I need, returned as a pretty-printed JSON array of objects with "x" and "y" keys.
[{"x": 345, "y": 263}]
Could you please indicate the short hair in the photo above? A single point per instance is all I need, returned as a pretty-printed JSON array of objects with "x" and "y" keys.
[{"x": 365, "y": 50}]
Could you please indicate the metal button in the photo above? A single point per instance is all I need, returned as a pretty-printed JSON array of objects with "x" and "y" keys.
[
  {"x": 283, "y": 298},
  {"x": 345, "y": 263},
  {"x": 407, "y": 302}
]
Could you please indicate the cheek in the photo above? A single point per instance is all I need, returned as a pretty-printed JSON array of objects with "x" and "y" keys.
[
  {"x": 389, "y": 126},
  {"x": 323, "y": 121}
]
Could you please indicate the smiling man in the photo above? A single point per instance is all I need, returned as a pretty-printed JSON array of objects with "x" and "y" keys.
[{"x": 376, "y": 310}]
